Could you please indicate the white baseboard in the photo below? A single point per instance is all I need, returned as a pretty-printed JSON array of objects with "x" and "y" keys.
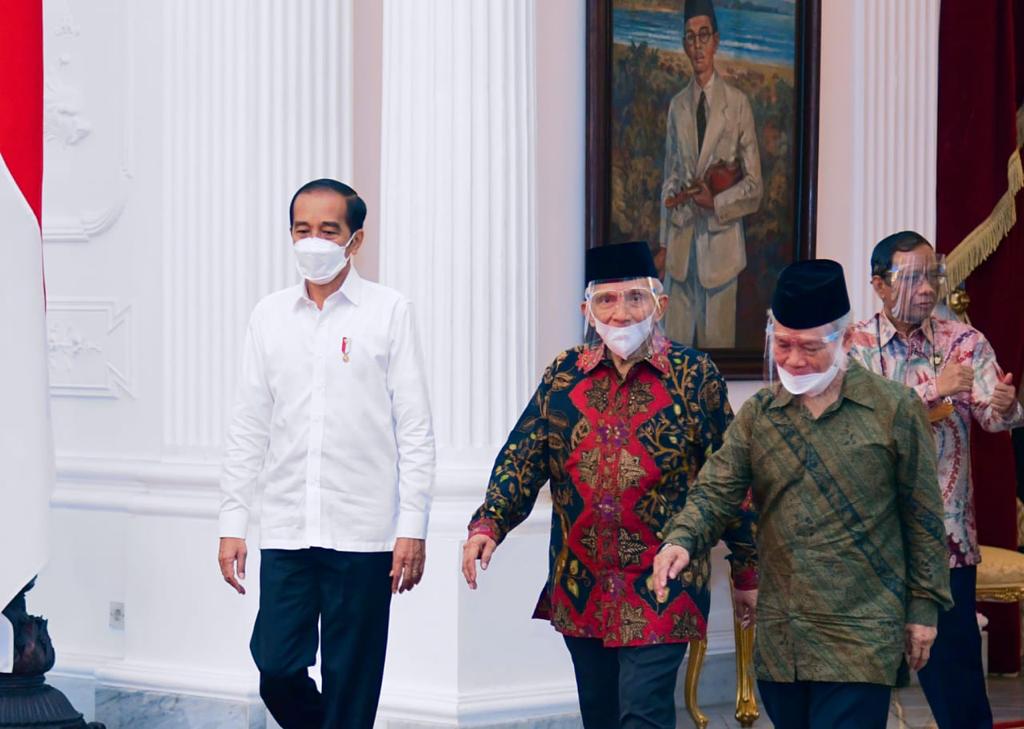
[
  {"x": 491, "y": 706},
  {"x": 407, "y": 703},
  {"x": 131, "y": 675}
]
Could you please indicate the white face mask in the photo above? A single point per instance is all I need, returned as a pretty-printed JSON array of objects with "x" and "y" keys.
[
  {"x": 624, "y": 341},
  {"x": 320, "y": 261},
  {"x": 813, "y": 383}
]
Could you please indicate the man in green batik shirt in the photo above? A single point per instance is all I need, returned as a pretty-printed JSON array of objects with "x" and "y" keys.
[{"x": 852, "y": 550}]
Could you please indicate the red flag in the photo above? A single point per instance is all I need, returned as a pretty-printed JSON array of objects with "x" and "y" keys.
[{"x": 26, "y": 449}]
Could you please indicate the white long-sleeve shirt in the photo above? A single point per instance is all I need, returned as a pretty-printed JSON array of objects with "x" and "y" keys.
[{"x": 344, "y": 449}]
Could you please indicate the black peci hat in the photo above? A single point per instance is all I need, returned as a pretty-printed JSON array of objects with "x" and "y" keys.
[
  {"x": 620, "y": 261},
  {"x": 810, "y": 294},
  {"x": 696, "y": 8}
]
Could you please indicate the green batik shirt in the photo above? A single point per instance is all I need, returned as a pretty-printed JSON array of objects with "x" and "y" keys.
[{"x": 850, "y": 534}]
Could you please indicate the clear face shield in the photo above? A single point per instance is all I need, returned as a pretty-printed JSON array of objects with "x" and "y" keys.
[
  {"x": 623, "y": 315},
  {"x": 915, "y": 284},
  {"x": 804, "y": 361}
]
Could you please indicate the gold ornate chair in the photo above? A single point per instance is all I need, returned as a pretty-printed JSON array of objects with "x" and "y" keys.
[
  {"x": 1000, "y": 575},
  {"x": 746, "y": 704}
]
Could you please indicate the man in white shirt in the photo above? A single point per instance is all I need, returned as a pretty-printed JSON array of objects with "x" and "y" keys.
[{"x": 332, "y": 417}]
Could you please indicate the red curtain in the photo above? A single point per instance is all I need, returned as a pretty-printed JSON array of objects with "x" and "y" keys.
[{"x": 981, "y": 77}]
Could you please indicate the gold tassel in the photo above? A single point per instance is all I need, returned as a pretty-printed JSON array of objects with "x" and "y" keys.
[{"x": 983, "y": 241}]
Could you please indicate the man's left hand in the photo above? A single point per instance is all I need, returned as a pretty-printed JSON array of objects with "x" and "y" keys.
[
  {"x": 409, "y": 557},
  {"x": 703, "y": 198},
  {"x": 919, "y": 644},
  {"x": 744, "y": 605},
  {"x": 1004, "y": 396}
]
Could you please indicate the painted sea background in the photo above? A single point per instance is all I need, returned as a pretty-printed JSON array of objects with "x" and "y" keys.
[
  {"x": 765, "y": 34},
  {"x": 756, "y": 54}
]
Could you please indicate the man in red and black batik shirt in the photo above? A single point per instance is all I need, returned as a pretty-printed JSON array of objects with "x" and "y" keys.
[{"x": 620, "y": 427}]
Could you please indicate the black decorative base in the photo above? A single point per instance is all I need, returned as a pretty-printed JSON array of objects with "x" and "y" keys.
[{"x": 28, "y": 702}]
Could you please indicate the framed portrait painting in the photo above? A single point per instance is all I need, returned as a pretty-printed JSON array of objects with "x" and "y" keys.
[{"x": 702, "y": 140}]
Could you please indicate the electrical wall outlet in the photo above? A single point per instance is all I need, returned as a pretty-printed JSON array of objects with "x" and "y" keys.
[{"x": 117, "y": 616}]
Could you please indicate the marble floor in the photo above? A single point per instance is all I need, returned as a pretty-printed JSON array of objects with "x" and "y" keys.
[{"x": 909, "y": 709}]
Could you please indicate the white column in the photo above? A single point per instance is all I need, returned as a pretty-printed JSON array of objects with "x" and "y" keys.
[
  {"x": 457, "y": 210},
  {"x": 258, "y": 97},
  {"x": 458, "y": 238},
  {"x": 879, "y": 99}
]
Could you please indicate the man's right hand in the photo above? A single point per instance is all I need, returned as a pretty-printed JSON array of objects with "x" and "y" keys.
[
  {"x": 953, "y": 379},
  {"x": 232, "y": 554},
  {"x": 676, "y": 199},
  {"x": 477, "y": 547},
  {"x": 703, "y": 197},
  {"x": 668, "y": 563}
]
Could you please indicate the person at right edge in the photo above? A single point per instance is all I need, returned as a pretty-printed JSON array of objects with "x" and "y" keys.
[
  {"x": 841, "y": 466},
  {"x": 953, "y": 369}
]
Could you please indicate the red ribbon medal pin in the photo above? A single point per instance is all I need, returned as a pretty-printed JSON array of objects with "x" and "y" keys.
[{"x": 346, "y": 347}]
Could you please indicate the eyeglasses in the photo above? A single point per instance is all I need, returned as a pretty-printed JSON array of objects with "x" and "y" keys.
[
  {"x": 936, "y": 278},
  {"x": 638, "y": 300},
  {"x": 703, "y": 35}
]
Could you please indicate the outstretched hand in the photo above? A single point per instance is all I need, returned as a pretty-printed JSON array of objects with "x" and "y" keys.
[
  {"x": 668, "y": 563},
  {"x": 478, "y": 547}
]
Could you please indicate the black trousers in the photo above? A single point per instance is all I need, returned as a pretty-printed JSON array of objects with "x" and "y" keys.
[
  {"x": 825, "y": 705},
  {"x": 954, "y": 678},
  {"x": 349, "y": 594},
  {"x": 626, "y": 688}
]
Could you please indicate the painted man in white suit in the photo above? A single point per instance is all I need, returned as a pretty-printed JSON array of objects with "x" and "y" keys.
[{"x": 712, "y": 180}]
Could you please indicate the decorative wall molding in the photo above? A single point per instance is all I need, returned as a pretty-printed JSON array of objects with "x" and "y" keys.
[
  {"x": 88, "y": 107},
  {"x": 63, "y": 120},
  {"x": 91, "y": 347},
  {"x": 88, "y": 224},
  {"x": 192, "y": 489},
  {"x": 458, "y": 215},
  {"x": 258, "y": 100},
  {"x": 137, "y": 500}
]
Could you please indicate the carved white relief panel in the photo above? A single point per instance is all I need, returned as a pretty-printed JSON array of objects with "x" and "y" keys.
[
  {"x": 90, "y": 348},
  {"x": 88, "y": 99}
]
